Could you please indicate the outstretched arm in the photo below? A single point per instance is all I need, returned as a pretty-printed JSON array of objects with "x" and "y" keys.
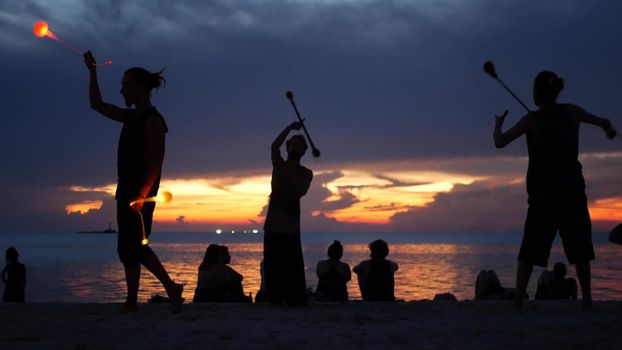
[
  {"x": 501, "y": 138},
  {"x": 278, "y": 142},
  {"x": 109, "y": 110},
  {"x": 588, "y": 118}
]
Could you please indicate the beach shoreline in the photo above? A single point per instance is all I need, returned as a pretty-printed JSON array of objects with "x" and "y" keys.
[{"x": 361, "y": 325}]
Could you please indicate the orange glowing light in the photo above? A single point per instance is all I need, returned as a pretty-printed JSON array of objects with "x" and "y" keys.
[
  {"x": 163, "y": 197},
  {"x": 41, "y": 29}
]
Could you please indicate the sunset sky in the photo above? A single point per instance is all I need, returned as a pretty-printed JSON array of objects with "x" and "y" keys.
[{"x": 393, "y": 93}]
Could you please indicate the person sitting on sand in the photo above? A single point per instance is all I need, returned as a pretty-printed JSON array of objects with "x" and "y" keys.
[
  {"x": 333, "y": 275},
  {"x": 218, "y": 282},
  {"x": 555, "y": 285},
  {"x": 376, "y": 275},
  {"x": 488, "y": 287},
  {"x": 14, "y": 276}
]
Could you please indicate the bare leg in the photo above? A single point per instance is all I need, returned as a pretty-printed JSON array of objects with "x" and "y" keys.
[
  {"x": 174, "y": 290},
  {"x": 584, "y": 275},
  {"x": 132, "y": 279},
  {"x": 523, "y": 273}
]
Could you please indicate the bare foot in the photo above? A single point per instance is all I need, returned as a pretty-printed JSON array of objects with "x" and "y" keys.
[{"x": 175, "y": 295}]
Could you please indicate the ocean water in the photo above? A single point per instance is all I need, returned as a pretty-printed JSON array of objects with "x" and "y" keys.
[{"x": 70, "y": 267}]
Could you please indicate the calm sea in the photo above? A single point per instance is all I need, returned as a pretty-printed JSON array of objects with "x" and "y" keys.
[{"x": 70, "y": 267}]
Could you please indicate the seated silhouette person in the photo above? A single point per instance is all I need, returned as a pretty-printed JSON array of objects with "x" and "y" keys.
[
  {"x": 375, "y": 276},
  {"x": 555, "y": 285},
  {"x": 488, "y": 287},
  {"x": 333, "y": 275},
  {"x": 218, "y": 282},
  {"x": 14, "y": 276}
]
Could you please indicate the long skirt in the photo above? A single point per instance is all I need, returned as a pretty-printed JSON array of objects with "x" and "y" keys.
[{"x": 284, "y": 269}]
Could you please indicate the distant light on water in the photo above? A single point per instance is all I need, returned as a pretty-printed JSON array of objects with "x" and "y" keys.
[
  {"x": 219, "y": 231},
  {"x": 255, "y": 231}
]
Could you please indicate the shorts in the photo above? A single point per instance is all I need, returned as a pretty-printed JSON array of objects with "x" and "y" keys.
[
  {"x": 567, "y": 214},
  {"x": 129, "y": 247}
]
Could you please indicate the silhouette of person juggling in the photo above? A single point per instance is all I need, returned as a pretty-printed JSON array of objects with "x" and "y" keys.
[
  {"x": 333, "y": 275},
  {"x": 139, "y": 165},
  {"x": 376, "y": 275},
  {"x": 555, "y": 184},
  {"x": 14, "y": 276},
  {"x": 283, "y": 261}
]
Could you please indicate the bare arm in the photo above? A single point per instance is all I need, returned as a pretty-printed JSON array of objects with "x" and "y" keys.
[
  {"x": 588, "y": 118},
  {"x": 109, "y": 110},
  {"x": 154, "y": 152},
  {"x": 501, "y": 138},
  {"x": 154, "y": 156},
  {"x": 280, "y": 140}
]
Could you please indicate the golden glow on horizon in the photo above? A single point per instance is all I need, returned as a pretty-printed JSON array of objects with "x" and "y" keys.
[
  {"x": 380, "y": 197},
  {"x": 240, "y": 200},
  {"x": 606, "y": 209},
  {"x": 233, "y": 201},
  {"x": 83, "y": 207},
  {"x": 362, "y": 193},
  {"x": 109, "y": 189}
]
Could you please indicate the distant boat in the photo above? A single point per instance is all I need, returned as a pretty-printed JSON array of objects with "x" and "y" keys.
[{"x": 108, "y": 230}]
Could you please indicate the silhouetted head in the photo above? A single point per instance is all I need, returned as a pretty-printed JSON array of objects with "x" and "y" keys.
[
  {"x": 11, "y": 254},
  {"x": 296, "y": 146},
  {"x": 138, "y": 83},
  {"x": 559, "y": 270},
  {"x": 335, "y": 250},
  {"x": 225, "y": 257},
  {"x": 546, "y": 88},
  {"x": 379, "y": 249},
  {"x": 212, "y": 255}
]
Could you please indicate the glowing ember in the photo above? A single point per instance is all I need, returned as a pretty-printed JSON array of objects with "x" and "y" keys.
[
  {"x": 163, "y": 197},
  {"x": 41, "y": 29}
]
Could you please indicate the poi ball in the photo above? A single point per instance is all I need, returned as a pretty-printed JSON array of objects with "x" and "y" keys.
[{"x": 41, "y": 29}]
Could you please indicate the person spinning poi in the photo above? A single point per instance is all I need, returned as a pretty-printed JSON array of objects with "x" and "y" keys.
[{"x": 139, "y": 164}]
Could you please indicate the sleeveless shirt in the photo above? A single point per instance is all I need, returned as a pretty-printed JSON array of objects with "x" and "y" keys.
[
  {"x": 131, "y": 167},
  {"x": 553, "y": 147}
]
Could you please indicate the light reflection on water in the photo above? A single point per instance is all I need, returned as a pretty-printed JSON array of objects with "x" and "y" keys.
[{"x": 86, "y": 269}]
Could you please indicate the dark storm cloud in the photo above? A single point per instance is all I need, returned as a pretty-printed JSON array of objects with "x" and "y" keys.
[{"x": 377, "y": 80}]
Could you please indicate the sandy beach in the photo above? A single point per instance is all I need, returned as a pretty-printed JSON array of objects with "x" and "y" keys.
[{"x": 355, "y": 325}]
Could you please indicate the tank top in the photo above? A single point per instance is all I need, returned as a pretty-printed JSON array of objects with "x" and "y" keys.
[
  {"x": 131, "y": 167},
  {"x": 553, "y": 147}
]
